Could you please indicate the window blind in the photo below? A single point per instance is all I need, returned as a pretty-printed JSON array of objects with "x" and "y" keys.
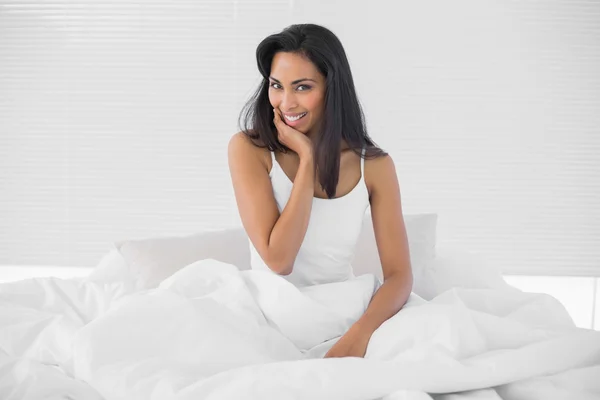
[{"x": 115, "y": 118}]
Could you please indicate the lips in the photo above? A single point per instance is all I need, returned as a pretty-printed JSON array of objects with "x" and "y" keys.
[
  {"x": 296, "y": 117},
  {"x": 295, "y": 122}
]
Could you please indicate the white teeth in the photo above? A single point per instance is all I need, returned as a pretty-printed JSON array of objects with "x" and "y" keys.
[{"x": 294, "y": 118}]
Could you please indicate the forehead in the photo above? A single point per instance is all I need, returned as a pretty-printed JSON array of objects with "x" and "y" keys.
[{"x": 290, "y": 66}]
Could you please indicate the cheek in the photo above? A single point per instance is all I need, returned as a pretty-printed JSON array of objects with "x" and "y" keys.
[
  {"x": 316, "y": 110},
  {"x": 273, "y": 98},
  {"x": 315, "y": 104}
]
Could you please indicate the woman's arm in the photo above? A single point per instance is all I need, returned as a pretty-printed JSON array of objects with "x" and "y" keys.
[
  {"x": 392, "y": 245},
  {"x": 277, "y": 237}
]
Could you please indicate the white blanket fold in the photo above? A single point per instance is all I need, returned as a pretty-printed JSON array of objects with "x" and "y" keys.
[{"x": 212, "y": 332}]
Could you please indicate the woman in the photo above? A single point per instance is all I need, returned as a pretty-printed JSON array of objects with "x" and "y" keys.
[{"x": 304, "y": 170}]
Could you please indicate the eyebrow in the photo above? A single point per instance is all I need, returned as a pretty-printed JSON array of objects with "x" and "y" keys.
[{"x": 296, "y": 81}]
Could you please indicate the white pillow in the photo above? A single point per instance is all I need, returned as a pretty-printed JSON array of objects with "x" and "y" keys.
[
  {"x": 152, "y": 260},
  {"x": 457, "y": 268},
  {"x": 111, "y": 268},
  {"x": 149, "y": 261}
]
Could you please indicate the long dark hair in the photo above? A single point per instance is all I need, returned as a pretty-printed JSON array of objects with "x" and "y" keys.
[{"x": 343, "y": 117}]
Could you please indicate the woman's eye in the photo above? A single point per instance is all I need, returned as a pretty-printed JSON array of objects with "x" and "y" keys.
[{"x": 306, "y": 86}]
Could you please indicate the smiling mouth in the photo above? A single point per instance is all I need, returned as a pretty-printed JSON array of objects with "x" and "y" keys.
[{"x": 293, "y": 119}]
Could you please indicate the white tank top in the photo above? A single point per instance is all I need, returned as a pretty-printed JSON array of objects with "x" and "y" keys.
[{"x": 333, "y": 229}]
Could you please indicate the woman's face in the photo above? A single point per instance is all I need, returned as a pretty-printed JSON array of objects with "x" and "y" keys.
[{"x": 295, "y": 87}]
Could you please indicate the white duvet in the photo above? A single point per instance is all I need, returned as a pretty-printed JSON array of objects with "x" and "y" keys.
[{"x": 213, "y": 332}]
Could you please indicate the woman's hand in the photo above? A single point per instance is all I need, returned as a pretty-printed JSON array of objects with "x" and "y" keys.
[
  {"x": 352, "y": 344},
  {"x": 293, "y": 139}
]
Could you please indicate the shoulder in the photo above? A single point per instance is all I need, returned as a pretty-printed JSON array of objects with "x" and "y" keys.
[
  {"x": 242, "y": 140},
  {"x": 380, "y": 172},
  {"x": 241, "y": 146}
]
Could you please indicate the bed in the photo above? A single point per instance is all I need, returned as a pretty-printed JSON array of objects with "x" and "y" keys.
[{"x": 184, "y": 318}]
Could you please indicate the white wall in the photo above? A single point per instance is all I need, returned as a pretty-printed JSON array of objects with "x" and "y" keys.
[{"x": 114, "y": 119}]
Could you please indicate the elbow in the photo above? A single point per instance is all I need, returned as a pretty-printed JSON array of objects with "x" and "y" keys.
[
  {"x": 280, "y": 267},
  {"x": 278, "y": 261},
  {"x": 286, "y": 271}
]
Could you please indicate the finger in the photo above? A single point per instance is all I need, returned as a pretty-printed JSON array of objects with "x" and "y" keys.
[{"x": 278, "y": 116}]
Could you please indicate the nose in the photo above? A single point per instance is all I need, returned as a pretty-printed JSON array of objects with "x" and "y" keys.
[{"x": 288, "y": 101}]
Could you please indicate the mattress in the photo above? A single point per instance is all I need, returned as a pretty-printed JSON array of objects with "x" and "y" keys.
[{"x": 9, "y": 273}]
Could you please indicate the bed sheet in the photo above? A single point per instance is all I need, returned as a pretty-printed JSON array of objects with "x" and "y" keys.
[{"x": 211, "y": 331}]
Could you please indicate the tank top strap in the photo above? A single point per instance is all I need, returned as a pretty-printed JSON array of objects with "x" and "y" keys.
[
  {"x": 362, "y": 163},
  {"x": 273, "y": 160}
]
